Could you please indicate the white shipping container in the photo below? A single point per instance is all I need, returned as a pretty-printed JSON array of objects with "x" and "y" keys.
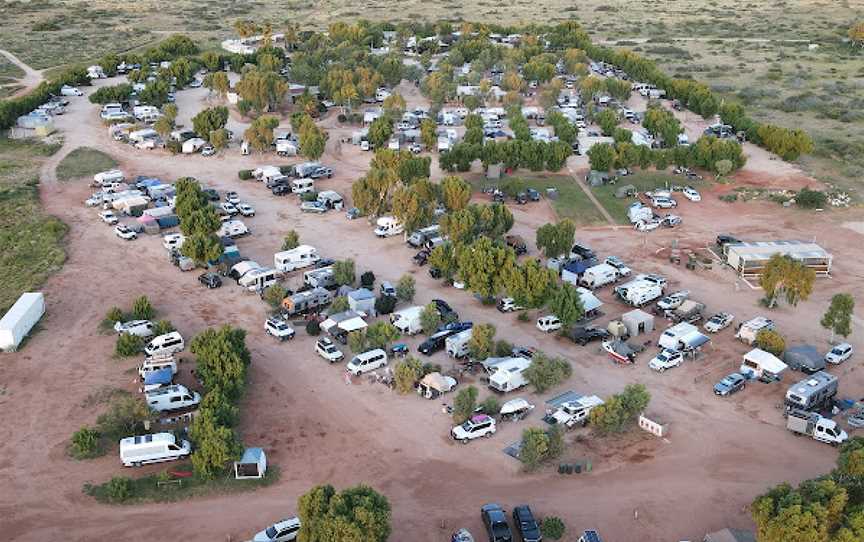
[{"x": 20, "y": 319}]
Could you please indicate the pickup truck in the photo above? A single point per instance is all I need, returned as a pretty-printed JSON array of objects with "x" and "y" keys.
[{"x": 814, "y": 425}]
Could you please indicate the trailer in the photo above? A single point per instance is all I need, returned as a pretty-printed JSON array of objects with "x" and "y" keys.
[
  {"x": 813, "y": 393},
  {"x": 457, "y": 345},
  {"x": 303, "y": 302},
  {"x": 20, "y": 319}
]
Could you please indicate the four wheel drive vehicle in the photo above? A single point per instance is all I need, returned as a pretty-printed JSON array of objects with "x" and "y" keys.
[
  {"x": 839, "y": 353},
  {"x": 495, "y": 522},
  {"x": 108, "y": 217},
  {"x": 208, "y": 150},
  {"x": 281, "y": 531},
  {"x": 387, "y": 289},
  {"x": 533, "y": 195},
  {"x": 521, "y": 198},
  {"x": 168, "y": 343},
  {"x": 367, "y": 361},
  {"x": 245, "y": 209},
  {"x": 462, "y": 535},
  {"x": 321, "y": 172},
  {"x": 210, "y": 280},
  {"x": 690, "y": 193},
  {"x": 279, "y": 328},
  {"x": 620, "y": 267},
  {"x": 647, "y": 225},
  {"x": 173, "y": 241},
  {"x": 139, "y": 328},
  {"x": 548, "y": 324},
  {"x": 672, "y": 301},
  {"x": 415, "y": 148},
  {"x": 475, "y": 427},
  {"x": 667, "y": 359},
  {"x": 421, "y": 258},
  {"x": 445, "y": 311},
  {"x": 670, "y": 221},
  {"x": 281, "y": 190},
  {"x": 313, "y": 207},
  {"x": 508, "y": 304},
  {"x": 352, "y": 213},
  {"x": 124, "y": 232},
  {"x": 229, "y": 208},
  {"x": 663, "y": 202},
  {"x": 582, "y": 252},
  {"x": 211, "y": 194},
  {"x": 327, "y": 350},
  {"x": 718, "y": 322},
  {"x": 526, "y": 525},
  {"x": 584, "y": 335},
  {"x": 232, "y": 197},
  {"x": 730, "y": 384},
  {"x": 517, "y": 244}
]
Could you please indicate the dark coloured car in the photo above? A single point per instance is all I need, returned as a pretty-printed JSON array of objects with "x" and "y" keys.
[
  {"x": 211, "y": 194},
  {"x": 521, "y": 198},
  {"x": 533, "y": 195},
  {"x": 281, "y": 190},
  {"x": 324, "y": 262},
  {"x": 435, "y": 273},
  {"x": 730, "y": 384},
  {"x": 584, "y": 253},
  {"x": 525, "y": 524},
  {"x": 421, "y": 258},
  {"x": 446, "y": 313},
  {"x": 584, "y": 335},
  {"x": 517, "y": 244},
  {"x": 210, "y": 280},
  {"x": 495, "y": 522},
  {"x": 434, "y": 343},
  {"x": 723, "y": 240}
]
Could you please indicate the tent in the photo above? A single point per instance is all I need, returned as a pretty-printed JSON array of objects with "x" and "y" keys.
[
  {"x": 434, "y": 384},
  {"x": 761, "y": 364},
  {"x": 638, "y": 321},
  {"x": 252, "y": 465}
]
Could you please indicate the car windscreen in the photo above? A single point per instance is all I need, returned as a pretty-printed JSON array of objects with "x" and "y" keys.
[{"x": 271, "y": 532}]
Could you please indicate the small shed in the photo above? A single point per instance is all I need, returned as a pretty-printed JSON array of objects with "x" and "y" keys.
[
  {"x": 362, "y": 300},
  {"x": 20, "y": 319},
  {"x": 252, "y": 466},
  {"x": 638, "y": 321}
]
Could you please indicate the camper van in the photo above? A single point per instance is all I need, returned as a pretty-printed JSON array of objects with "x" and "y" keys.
[
  {"x": 508, "y": 374},
  {"x": 457, "y": 345},
  {"x": 407, "y": 321},
  {"x": 155, "y": 448},
  {"x": 762, "y": 365},
  {"x": 157, "y": 363},
  {"x": 812, "y": 393},
  {"x": 748, "y": 330},
  {"x": 173, "y": 397},
  {"x": 296, "y": 258},
  {"x": 388, "y": 226},
  {"x": 259, "y": 279},
  {"x": 598, "y": 275},
  {"x": 302, "y": 186},
  {"x": 169, "y": 343},
  {"x": 367, "y": 361}
]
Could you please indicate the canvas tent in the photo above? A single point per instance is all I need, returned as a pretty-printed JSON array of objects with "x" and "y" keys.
[
  {"x": 638, "y": 321},
  {"x": 252, "y": 465},
  {"x": 434, "y": 384},
  {"x": 20, "y": 319}
]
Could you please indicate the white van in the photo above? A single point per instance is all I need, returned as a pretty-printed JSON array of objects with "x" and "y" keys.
[
  {"x": 296, "y": 258},
  {"x": 155, "y": 448},
  {"x": 367, "y": 361},
  {"x": 548, "y": 324},
  {"x": 259, "y": 279},
  {"x": 151, "y": 365},
  {"x": 302, "y": 186},
  {"x": 388, "y": 226},
  {"x": 598, "y": 275},
  {"x": 165, "y": 344},
  {"x": 173, "y": 397}
]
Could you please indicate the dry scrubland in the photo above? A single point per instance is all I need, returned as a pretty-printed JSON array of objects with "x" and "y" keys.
[{"x": 756, "y": 52}]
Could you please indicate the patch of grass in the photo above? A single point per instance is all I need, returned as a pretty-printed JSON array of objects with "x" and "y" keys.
[
  {"x": 571, "y": 202},
  {"x": 164, "y": 487},
  {"x": 30, "y": 241},
  {"x": 643, "y": 181},
  {"x": 84, "y": 162}
]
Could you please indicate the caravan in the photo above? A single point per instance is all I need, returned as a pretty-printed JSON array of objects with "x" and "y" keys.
[
  {"x": 296, "y": 258},
  {"x": 598, "y": 275},
  {"x": 258, "y": 280},
  {"x": 407, "y": 321},
  {"x": 457, "y": 345},
  {"x": 302, "y": 185},
  {"x": 320, "y": 278},
  {"x": 814, "y": 392},
  {"x": 388, "y": 226},
  {"x": 507, "y": 374}
]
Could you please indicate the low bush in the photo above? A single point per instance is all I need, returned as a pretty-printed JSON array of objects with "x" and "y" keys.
[
  {"x": 552, "y": 527},
  {"x": 85, "y": 444},
  {"x": 244, "y": 174},
  {"x": 128, "y": 345},
  {"x": 367, "y": 279},
  {"x": 385, "y": 304},
  {"x": 313, "y": 328},
  {"x": 491, "y": 405},
  {"x": 142, "y": 309},
  {"x": 119, "y": 489},
  {"x": 162, "y": 327},
  {"x": 811, "y": 199}
]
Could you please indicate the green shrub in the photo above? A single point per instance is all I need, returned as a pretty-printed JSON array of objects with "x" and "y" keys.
[
  {"x": 128, "y": 345},
  {"x": 125, "y": 417},
  {"x": 503, "y": 348},
  {"x": 85, "y": 444},
  {"x": 115, "y": 314},
  {"x": 119, "y": 489},
  {"x": 245, "y": 174},
  {"x": 729, "y": 198},
  {"x": 367, "y": 279},
  {"x": 811, "y": 199},
  {"x": 142, "y": 309},
  {"x": 463, "y": 405},
  {"x": 545, "y": 372},
  {"x": 274, "y": 295},
  {"x": 313, "y": 328},
  {"x": 491, "y": 405},
  {"x": 174, "y": 147},
  {"x": 552, "y": 527},
  {"x": 162, "y": 327},
  {"x": 309, "y": 196},
  {"x": 385, "y": 304}
]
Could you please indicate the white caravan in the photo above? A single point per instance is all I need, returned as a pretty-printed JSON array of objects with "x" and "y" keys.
[{"x": 296, "y": 258}]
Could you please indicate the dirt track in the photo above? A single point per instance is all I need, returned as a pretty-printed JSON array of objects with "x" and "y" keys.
[
  {"x": 31, "y": 78},
  {"x": 318, "y": 429}
]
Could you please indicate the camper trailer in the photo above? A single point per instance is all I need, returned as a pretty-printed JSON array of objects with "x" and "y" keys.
[
  {"x": 302, "y": 185},
  {"x": 320, "y": 278},
  {"x": 762, "y": 365},
  {"x": 748, "y": 330},
  {"x": 155, "y": 448},
  {"x": 303, "y": 302},
  {"x": 174, "y": 397},
  {"x": 259, "y": 279},
  {"x": 296, "y": 258},
  {"x": 639, "y": 292},
  {"x": 407, "y": 321},
  {"x": 508, "y": 374},
  {"x": 457, "y": 345},
  {"x": 388, "y": 226},
  {"x": 813, "y": 393}
]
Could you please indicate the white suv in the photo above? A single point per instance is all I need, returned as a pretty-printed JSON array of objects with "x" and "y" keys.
[
  {"x": 476, "y": 427},
  {"x": 667, "y": 359},
  {"x": 281, "y": 531},
  {"x": 327, "y": 350},
  {"x": 279, "y": 328},
  {"x": 839, "y": 353},
  {"x": 548, "y": 324}
]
